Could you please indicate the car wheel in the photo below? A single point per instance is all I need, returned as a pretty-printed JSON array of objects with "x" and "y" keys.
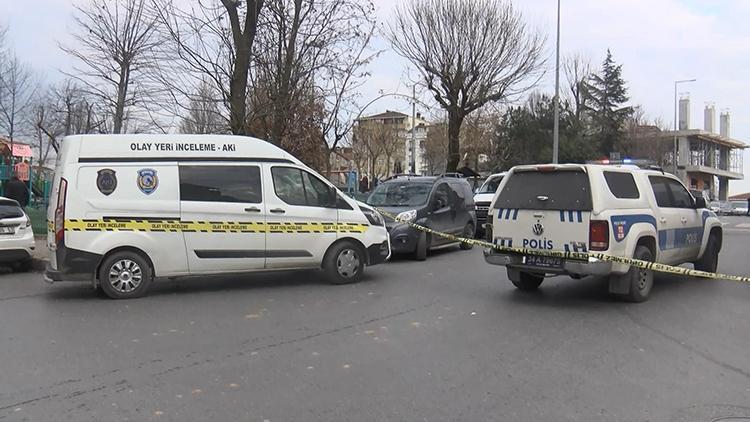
[
  {"x": 639, "y": 280},
  {"x": 23, "y": 266},
  {"x": 527, "y": 281},
  {"x": 125, "y": 275},
  {"x": 345, "y": 263},
  {"x": 468, "y": 234},
  {"x": 420, "y": 253},
  {"x": 709, "y": 262}
]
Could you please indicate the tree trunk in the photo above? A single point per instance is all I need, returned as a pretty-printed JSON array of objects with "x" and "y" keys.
[
  {"x": 455, "y": 119},
  {"x": 122, "y": 92},
  {"x": 238, "y": 88}
]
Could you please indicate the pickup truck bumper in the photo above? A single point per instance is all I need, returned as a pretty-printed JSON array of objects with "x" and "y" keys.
[{"x": 582, "y": 268}]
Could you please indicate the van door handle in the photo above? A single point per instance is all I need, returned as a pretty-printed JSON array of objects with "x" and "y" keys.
[
  {"x": 663, "y": 220},
  {"x": 278, "y": 211},
  {"x": 252, "y": 209},
  {"x": 684, "y": 220}
]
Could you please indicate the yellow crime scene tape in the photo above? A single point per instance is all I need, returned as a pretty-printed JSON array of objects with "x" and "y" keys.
[
  {"x": 174, "y": 226},
  {"x": 581, "y": 256}
]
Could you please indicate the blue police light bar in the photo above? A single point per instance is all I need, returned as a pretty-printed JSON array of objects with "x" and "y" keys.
[{"x": 640, "y": 163}]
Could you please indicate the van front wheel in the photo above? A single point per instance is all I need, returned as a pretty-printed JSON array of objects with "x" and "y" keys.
[
  {"x": 125, "y": 275},
  {"x": 345, "y": 263}
]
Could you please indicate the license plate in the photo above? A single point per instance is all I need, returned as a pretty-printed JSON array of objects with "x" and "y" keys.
[
  {"x": 543, "y": 261},
  {"x": 7, "y": 230}
]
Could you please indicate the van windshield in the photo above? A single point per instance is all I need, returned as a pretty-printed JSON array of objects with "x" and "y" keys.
[
  {"x": 400, "y": 194},
  {"x": 555, "y": 190},
  {"x": 490, "y": 186}
]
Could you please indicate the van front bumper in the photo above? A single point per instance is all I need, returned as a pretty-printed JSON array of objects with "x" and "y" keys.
[
  {"x": 378, "y": 253},
  {"x": 591, "y": 267}
]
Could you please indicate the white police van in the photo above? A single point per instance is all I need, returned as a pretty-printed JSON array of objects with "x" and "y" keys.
[
  {"x": 130, "y": 208},
  {"x": 618, "y": 210}
]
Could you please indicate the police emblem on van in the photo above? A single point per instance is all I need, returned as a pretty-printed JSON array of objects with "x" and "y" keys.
[
  {"x": 148, "y": 181},
  {"x": 106, "y": 181}
]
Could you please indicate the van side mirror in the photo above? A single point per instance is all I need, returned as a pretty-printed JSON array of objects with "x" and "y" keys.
[{"x": 700, "y": 203}]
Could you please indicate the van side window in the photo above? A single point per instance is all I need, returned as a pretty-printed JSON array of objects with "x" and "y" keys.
[
  {"x": 298, "y": 187},
  {"x": 622, "y": 185},
  {"x": 221, "y": 184}
]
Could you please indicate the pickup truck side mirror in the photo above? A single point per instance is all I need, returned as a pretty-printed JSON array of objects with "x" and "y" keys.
[{"x": 700, "y": 203}]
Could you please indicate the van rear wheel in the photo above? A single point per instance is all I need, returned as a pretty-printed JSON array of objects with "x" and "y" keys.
[
  {"x": 125, "y": 275},
  {"x": 345, "y": 263}
]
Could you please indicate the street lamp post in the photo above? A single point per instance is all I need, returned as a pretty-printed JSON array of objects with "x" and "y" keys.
[
  {"x": 676, "y": 127},
  {"x": 556, "y": 130},
  {"x": 413, "y": 146}
]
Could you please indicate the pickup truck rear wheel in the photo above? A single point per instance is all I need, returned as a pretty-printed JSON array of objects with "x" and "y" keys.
[
  {"x": 527, "y": 281},
  {"x": 640, "y": 280},
  {"x": 710, "y": 259}
]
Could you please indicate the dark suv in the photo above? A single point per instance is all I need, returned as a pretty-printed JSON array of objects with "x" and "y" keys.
[{"x": 442, "y": 203}]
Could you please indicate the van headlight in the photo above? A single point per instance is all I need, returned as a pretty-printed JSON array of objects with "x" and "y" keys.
[
  {"x": 373, "y": 217},
  {"x": 407, "y": 216}
]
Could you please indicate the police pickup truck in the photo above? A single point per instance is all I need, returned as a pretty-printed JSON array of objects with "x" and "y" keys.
[{"x": 618, "y": 210}]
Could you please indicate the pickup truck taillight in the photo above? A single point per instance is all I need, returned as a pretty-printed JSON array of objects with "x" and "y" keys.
[
  {"x": 60, "y": 212},
  {"x": 598, "y": 235}
]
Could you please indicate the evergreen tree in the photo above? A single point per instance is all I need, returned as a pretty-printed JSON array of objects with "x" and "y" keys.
[{"x": 606, "y": 93}]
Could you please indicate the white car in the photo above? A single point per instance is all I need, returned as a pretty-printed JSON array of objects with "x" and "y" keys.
[
  {"x": 738, "y": 208},
  {"x": 16, "y": 236},
  {"x": 133, "y": 208},
  {"x": 483, "y": 197},
  {"x": 618, "y": 210}
]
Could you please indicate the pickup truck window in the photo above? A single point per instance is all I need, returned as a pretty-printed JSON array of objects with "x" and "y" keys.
[
  {"x": 568, "y": 190},
  {"x": 669, "y": 193},
  {"x": 622, "y": 185}
]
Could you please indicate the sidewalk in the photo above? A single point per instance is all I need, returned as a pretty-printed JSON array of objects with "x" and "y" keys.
[{"x": 41, "y": 253}]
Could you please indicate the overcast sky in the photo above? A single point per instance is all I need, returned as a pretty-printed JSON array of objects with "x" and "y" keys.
[{"x": 656, "y": 41}]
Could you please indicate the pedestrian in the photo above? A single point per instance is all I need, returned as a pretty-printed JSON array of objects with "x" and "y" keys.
[
  {"x": 364, "y": 184},
  {"x": 17, "y": 190},
  {"x": 748, "y": 206}
]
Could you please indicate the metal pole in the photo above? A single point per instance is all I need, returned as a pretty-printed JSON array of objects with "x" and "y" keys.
[
  {"x": 676, "y": 123},
  {"x": 556, "y": 131},
  {"x": 413, "y": 148}
]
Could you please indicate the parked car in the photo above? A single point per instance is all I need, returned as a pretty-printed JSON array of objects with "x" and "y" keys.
[
  {"x": 483, "y": 197},
  {"x": 16, "y": 236},
  {"x": 442, "y": 203},
  {"x": 720, "y": 207},
  {"x": 618, "y": 210},
  {"x": 738, "y": 207}
]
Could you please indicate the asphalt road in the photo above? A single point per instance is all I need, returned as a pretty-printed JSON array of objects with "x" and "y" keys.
[{"x": 448, "y": 339}]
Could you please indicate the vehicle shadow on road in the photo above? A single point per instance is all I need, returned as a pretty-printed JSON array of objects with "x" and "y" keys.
[
  {"x": 214, "y": 283},
  {"x": 567, "y": 292}
]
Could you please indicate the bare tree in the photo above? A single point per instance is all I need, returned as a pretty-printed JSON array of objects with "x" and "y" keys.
[
  {"x": 577, "y": 69},
  {"x": 203, "y": 113},
  {"x": 209, "y": 41},
  {"x": 114, "y": 45},
  {"x": 65, "y": 109},
  {"x": 469, "y": 53},
  {"x": 435, "y": 147},
  {"x": 17, "y": 89},
  {"x": 299, "y": 43},
  {"x": 642, "y": 139}
]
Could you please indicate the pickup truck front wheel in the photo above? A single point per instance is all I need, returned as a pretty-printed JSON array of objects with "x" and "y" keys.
[{"x": 710, "y": 259}]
